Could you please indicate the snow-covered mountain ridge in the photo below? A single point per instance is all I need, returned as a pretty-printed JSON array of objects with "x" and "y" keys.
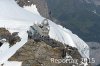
[{"x": 17, "y": 19}]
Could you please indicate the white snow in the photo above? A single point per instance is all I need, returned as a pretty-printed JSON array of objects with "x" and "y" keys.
[
  {"x": 4, "y": 47},
  {"x": 10, "y": 10},
  {"x": 13, "y": 63},
  {"x": 17, "y": 19},
  {"x": 82, "y": 47},
  {"x": 14, "y": 26},
  {"x": 60, "y": 34},
  {"x": 32, "y": 9}
]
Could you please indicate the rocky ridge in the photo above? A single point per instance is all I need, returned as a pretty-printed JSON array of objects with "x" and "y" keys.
[{"x": 40, "y": 53}]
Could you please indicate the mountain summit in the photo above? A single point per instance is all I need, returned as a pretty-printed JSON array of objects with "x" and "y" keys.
[{"x": 18, "y": 20}]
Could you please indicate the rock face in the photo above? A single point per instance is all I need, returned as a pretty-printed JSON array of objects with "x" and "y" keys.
[
  {"x": 42, "y": 7},
  {"x": 4, "y": 33},
  {"x": 80, "y": 16},
  {"x": 11, "y": 38},
  {"x": 40, "y": 54},
  {"x": 36, "y": 54}
]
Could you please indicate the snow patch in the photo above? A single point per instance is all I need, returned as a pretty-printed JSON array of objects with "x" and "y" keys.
[
  {"x": 32, "y": 9},
  {"x": 13, "y": 63}
]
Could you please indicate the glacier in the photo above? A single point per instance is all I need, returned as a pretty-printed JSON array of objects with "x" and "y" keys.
[{"x": 17, "y": 19}]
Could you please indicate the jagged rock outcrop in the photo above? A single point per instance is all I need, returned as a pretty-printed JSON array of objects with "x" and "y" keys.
[
  {"x": 11, "y": 38},
  {"x": 40, "y": 54},
  {"x": 4, "y": 33}
]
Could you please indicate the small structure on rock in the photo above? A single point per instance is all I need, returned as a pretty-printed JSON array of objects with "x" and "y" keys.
[{"x": 38, "y": 31}]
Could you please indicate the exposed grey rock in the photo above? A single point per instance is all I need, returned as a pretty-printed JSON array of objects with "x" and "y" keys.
[
  {"x": 11, "y": 38},
  {"x": 40, "y": 53}
]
